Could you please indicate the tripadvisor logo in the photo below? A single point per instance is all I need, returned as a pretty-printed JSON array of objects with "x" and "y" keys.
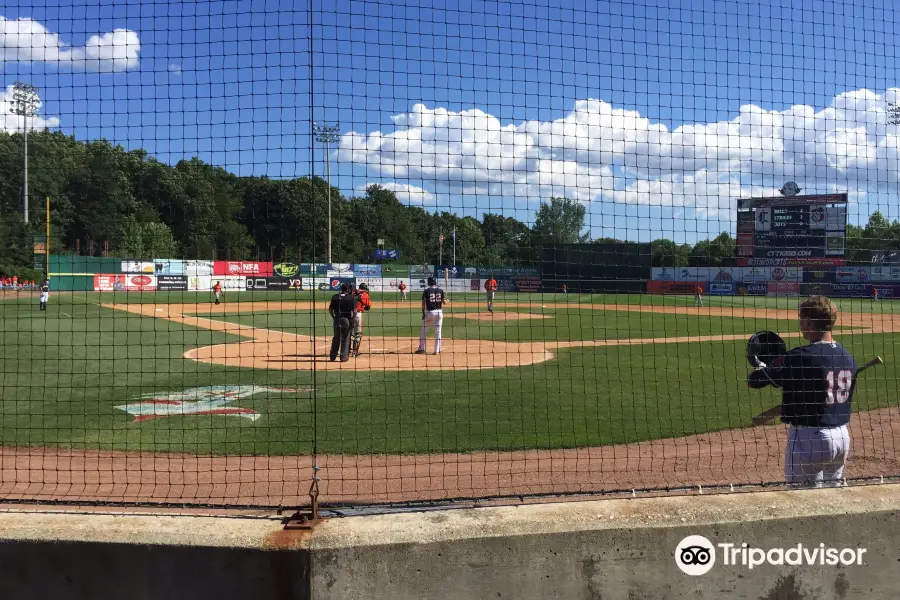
[
  {"x": 286, "y": 269},
  {"x": 696, "y": 555}
]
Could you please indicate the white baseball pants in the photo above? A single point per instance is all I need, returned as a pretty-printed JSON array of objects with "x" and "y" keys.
[
  {"x": 815, "y": 456},
  {"x": 433, "y": 318}
]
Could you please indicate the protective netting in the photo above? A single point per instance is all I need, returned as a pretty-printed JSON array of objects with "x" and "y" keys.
[{"x": 557, "y": 226}]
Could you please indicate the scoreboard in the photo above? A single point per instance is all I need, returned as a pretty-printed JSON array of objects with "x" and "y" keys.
[{"x": 792, "y": 230}]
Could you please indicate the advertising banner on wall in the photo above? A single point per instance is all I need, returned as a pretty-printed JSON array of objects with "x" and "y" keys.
[
  {"x": 793, "y": 274},
  {"x": 526, "y": 284},
  {"x": 195, "y": 268},
  {"x": 755, "y": 274},
  {"x": 168, "y": 266},
  {"x": 237, "y": 268},
  {"x": 885, "y": 291},
  {"x": 851, "y": 290},
  {"x": 200, "y": 283},
  {"x": 273, "y": 283},
  {"x": 664, "y": 273},
  {"x": 421, "y": 270},
  {"x": 381, "y": 284},
  {"x": 882, "y": 273},
  {"x": 138, "y": 266},
  {"x": 335, "y": 283},
  {"x": 716, "y": 288},
  {"x": 675, "y": 287},
  {"x": 752, "y": 289},
  {"x": 723, "y": 274},
  {"x": 172, "y": 283},
  {"x": 314, "y": 269},
  {"x": 286, "y": 270},
  {"x": 783, "y": 288},
  {"x": 338, "y": 270},
  {"x": 371, "y": 271},
  {"x": 852, "y": 275},
  {"x": 316, "y": 283},
  {"x": 232, "y": 282},
  {"x": 124, "y": 283}
]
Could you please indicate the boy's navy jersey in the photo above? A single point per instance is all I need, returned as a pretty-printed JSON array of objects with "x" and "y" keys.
[
  {"x": 818, "y": 382},
  {"x": 45, "y": 288},
  {"x": 434, "y": 298},
  {"x": 342, "y": 306}
]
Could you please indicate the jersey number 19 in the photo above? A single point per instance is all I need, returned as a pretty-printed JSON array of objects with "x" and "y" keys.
[{"x": 843, "y": 379}]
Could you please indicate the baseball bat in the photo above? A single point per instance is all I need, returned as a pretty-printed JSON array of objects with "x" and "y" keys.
[{"x": 769, "y": 415}]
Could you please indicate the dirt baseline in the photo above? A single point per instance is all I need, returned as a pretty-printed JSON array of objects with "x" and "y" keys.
[{"x": 733, "y": 457}]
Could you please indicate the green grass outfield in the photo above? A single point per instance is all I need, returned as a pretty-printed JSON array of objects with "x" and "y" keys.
[{"x": 64, "y": 371}]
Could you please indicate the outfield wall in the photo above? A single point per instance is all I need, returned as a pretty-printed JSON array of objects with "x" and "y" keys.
[{"x": 610, "y": 549}]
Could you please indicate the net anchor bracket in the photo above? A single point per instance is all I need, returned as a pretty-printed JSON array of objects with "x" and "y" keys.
[{"x": 306, "y": 519}]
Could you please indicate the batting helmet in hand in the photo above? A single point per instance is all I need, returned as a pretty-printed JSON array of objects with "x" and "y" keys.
[{"x": 764, "y": 347}]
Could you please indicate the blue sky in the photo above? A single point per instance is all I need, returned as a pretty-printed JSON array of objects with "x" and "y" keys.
[{"x": 231, "y": 82}]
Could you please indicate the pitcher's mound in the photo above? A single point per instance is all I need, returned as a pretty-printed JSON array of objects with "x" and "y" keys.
[{"x": 497, "y": 316}]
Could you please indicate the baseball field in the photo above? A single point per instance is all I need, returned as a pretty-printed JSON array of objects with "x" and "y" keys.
[{"x": 125, "y": 394}]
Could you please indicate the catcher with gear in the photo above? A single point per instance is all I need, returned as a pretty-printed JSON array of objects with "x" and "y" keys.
[{"x": 363, "y": 304}]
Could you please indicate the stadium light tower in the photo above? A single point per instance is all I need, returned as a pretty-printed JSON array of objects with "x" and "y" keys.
[
  {"x": 25, "y": 102},
  {"x": 328, "y": 135}
]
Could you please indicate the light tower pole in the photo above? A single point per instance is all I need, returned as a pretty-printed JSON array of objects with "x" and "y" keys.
[
  {"x": 328, "y": 135},
  {"x": 25, "y": 102}
]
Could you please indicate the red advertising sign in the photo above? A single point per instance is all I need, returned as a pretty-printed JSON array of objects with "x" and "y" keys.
[
  {"x": 791, "y": 262},
  {"x": 685, "y": 288},
  {"x": 124, "y": 283},
  {"x": 228, "y": 267},
  {"x": 784, "y": 288}
]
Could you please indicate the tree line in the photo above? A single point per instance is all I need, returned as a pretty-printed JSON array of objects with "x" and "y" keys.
[{"x": 129, "y": 204}]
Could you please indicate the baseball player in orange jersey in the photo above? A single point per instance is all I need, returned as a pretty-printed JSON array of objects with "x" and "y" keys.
[
  {"x": 363, "y": 304},
  {"x": 217, "y": 290},
  {"x": 402, "y": 287},
  {"x": 698, "y": 298},
  {"x": 490, "y": 288}
]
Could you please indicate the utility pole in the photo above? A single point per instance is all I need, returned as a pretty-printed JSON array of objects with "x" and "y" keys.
[
  {"x": 327, "y": 134},
  {"x": 25, "y": 102}
]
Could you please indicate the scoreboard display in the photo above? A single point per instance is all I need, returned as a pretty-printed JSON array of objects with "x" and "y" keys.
[{"x": 792, "y": 230}]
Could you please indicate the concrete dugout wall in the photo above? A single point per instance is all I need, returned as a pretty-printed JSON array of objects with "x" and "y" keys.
[{"x": 608, "y": 549}]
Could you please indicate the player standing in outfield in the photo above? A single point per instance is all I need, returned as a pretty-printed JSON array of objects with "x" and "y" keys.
[
  {"x": 45, "y": 294},
  {"x": 698, "y": 297},
  {"x": 433, "y": 301},
  {"x": 818, "y": 381},
  {"x": 402, "y": 287},
  {"x": 490, "y": 288},
  {"x": 217, "y": 290},
  {"x": 565, "y": 290},
  {"x": 363, "y": 304},
  {"x": 874, "y": 294},
  {"x": 342, "y": 309}
]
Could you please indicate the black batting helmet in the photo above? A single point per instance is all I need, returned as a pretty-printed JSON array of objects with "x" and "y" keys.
[
  {"x": 432, "y": 281},
  {"x": 765, "y": 347},
  {"x": 364, "y": 286}
]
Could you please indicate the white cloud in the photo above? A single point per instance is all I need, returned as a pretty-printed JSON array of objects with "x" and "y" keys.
[
  {"x": 175, "y": 69},
  {"x": 600, "y": 152},
  {"x": 11, "y": 123},
  {"x": 406, "y": 193},
  {"x": 26, "y": 40}
]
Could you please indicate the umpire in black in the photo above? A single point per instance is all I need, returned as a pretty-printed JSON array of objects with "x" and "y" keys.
[{"x": 342, "y": 309}]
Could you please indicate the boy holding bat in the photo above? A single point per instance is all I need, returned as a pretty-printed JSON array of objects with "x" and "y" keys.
[{"x": 817, "y": 381}]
